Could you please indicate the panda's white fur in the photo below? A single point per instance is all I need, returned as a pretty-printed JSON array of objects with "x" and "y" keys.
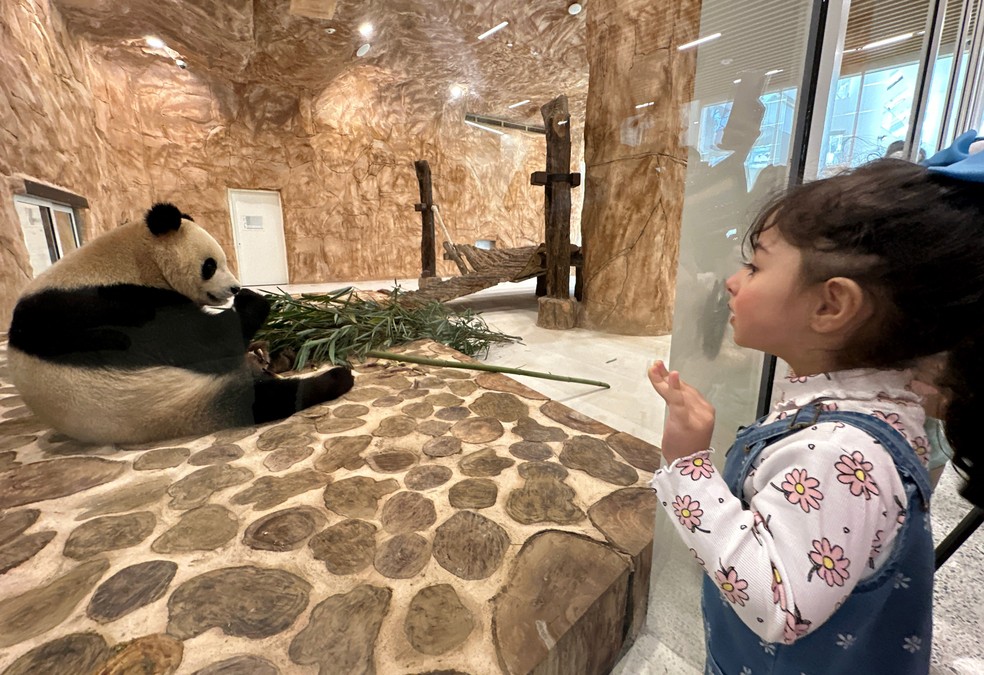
[{"x": 104, "y": 348}]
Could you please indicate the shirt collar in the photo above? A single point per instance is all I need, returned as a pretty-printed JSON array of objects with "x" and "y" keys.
[{"x": 861, "y": 384}]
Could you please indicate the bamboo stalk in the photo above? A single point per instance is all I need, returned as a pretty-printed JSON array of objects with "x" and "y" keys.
[{"x": 481, "y": 366}]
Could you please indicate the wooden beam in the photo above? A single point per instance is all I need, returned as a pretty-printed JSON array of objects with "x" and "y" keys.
[
  {"x": 557, "y": 181},
  {"x": 428, "y": 253}
]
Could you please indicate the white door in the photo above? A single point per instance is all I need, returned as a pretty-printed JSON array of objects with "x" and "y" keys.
[{"x": 258, "y": 232}]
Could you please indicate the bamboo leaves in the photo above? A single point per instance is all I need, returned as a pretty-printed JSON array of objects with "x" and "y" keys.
[{"x": 340, "y": 326}]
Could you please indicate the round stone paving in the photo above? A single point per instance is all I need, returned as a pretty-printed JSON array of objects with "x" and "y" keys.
[{"x": 374, "y": 533}]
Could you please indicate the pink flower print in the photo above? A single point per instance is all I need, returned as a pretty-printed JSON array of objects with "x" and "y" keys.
[
  {"x": 697, "y": 467},
  {"x": 900, "y": 518},
  {"x": 829, "y": 407},
  {"x": 758, "y": 522},
  {"x": 688, "y": 511},
  {"x": 793, "y": 377},
  {"x": 700, "y": 561},
  {"x": 795, "y": 628},
  {"x": 893, "y": 420},
  {"x": 876, "y": 547},
  {"x": 829, "y": 563},
  {"x": 854, "y": 472},
  {"x": 732, "y": 587},
  {"x": 921, "y": 446},
  {"x": 801, "y": 490},
  {"x": 778, "y": 590}
]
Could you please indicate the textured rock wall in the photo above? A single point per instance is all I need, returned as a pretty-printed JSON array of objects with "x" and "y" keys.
[
  {"x": 126, "y": 128},
  {"x": 636, "y": 162},
  {"x": 50, "y": 129}
]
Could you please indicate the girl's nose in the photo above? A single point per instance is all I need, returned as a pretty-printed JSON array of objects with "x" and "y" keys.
[{"x": 732, "y": 283}]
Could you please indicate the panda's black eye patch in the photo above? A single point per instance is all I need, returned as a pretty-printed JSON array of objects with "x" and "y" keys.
[{"x": 208, "y": 268}]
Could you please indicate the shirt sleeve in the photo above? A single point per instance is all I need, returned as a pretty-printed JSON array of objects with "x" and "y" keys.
[{"x": 821, "y": 505}]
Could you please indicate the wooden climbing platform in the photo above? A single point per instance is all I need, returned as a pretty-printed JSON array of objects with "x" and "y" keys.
[{"x": 485, "y": 268}]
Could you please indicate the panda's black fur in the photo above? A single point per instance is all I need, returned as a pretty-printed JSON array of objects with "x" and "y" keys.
[{"x": 112, "y": 344}]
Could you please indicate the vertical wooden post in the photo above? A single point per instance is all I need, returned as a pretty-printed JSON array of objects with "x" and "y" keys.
[
  {"x": 428, "y": 252},
  {"x": 557, "y": 310},
  {"x": 557, "y": 203}
]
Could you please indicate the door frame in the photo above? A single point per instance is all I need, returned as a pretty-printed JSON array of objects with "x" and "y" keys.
[{"x": 237, "y": 244}]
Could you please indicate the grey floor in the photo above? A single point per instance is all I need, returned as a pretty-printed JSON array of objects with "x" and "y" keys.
[{"x": 672, "y": 642}]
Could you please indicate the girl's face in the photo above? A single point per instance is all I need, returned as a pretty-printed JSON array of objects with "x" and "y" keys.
[{"x": 770, "y": 307}]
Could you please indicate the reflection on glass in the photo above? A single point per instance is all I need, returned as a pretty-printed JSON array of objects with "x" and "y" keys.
[
  {"x": 740, "y": 147},
  {"x": 66, "y": 231},
  {"x": 873, "y": 95},
  {"x": 740, "y": 135},
  {"x": 38, "y": 246}
]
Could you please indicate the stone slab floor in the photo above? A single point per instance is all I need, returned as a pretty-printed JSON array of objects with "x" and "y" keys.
[
  {"x": 430, "y": 520},
  {"x": 672, "y": 642}
]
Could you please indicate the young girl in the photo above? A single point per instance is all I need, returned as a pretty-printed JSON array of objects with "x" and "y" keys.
[{"x": 815, "y": 535}]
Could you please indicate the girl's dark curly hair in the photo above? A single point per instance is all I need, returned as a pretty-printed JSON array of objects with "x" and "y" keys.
[{"x": 913, "y": 239}]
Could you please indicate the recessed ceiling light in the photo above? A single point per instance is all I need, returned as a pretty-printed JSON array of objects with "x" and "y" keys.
[
  {"x": 330, "y": 31},
  {"x": 509, "y": 44},
  {"x": 456, "y": 91},
  {"x": 363, "y": 50},
  {"x": 365, "y": 30},
  {"x": 699, "y": 41},
  {"x": 516, "y": 105},
  {"x": 181, "y": 63},
  {"x": 575, "y": 9},
  {"x": 485, "y": 128},
  {"x": 494, "y": 29},
  {"x": 887, "y": 41},
  {"x": 155, "y": 42}
]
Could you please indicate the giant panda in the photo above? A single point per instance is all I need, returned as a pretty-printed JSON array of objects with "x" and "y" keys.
[{"x": 113, "y": 343}]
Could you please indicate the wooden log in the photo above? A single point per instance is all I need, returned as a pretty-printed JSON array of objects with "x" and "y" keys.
[
  {"x": 557, "y": 202},
  {"x": 428, "y": 252}
]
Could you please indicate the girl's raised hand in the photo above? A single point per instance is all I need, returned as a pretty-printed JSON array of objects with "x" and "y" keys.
[{"x": 689, "y": 418}]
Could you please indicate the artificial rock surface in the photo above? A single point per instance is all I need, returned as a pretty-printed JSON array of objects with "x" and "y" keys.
[
  {"x": 490, "y": 553},
  {"x": 273, "y": 101}
]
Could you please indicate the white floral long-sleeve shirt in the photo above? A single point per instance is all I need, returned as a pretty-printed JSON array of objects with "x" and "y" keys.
[{"x": 825, "y": 505}]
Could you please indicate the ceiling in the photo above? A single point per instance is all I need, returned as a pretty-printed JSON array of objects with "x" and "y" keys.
[
  {"x": 434, "y": 43},
  {"x": 539, "y": 55}
]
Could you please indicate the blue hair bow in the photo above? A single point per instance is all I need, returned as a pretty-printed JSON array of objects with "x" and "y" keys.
[{"x": 956, "y": 160}]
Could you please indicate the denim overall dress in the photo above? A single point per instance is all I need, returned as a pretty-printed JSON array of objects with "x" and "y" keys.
[{"x": 884, "y": 625}]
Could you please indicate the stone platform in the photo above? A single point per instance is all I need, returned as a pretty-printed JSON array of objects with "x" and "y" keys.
[{"x": 433, "y": 520}]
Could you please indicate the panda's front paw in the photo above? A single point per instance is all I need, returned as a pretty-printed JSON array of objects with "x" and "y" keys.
[
  {"x": 246, "y": 299},
  {"x": 253, "y": 309},
  {"x": 252, "y": 304},
  {"x": 323, "y": 387}
]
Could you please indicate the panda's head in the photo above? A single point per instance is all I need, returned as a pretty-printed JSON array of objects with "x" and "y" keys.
[{"x": 190, "y": 260}]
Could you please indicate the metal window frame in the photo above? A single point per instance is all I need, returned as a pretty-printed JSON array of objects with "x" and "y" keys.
[{"x": 56, "y": 249}]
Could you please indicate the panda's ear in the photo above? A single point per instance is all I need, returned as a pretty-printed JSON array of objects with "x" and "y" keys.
[{"x": 163, "y": 218}]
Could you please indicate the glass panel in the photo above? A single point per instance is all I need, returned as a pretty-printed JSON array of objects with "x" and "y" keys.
[
  {"x": 39, "y": 247},
  {"x": 936, "y": 106},
  {"x": 869, "y": 116},
  {"x": 741, "y": 134},
  {"x": 65, "y": 226}
]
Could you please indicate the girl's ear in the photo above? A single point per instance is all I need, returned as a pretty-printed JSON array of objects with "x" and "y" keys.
[{"x": 843, "y": 306}]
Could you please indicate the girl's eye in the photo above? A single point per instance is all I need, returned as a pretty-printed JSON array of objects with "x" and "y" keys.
[{"x": 752, "y": 269}]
